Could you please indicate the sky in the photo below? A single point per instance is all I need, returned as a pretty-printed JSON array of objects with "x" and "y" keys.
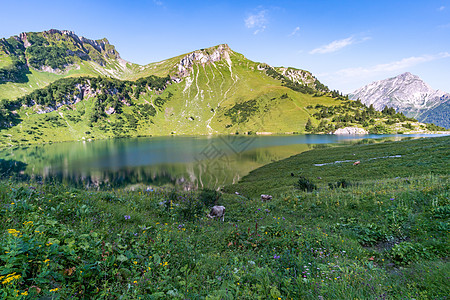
[{"x": 346, "y": 44}]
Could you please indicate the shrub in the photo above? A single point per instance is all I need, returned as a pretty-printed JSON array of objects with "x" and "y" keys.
[
  {"x": 407, "y": 252},
  {"x": 209, "y": 197},
  {"x": 304, "y": 184},
  {"x": 341, "y": 183}
]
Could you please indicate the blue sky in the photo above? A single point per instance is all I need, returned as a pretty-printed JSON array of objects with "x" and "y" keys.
[{"x": 345, "y": 43}]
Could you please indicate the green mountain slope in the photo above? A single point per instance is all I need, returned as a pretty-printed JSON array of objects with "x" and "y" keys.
[
  {"x": 208, "y": 91},
  {"x": 32, "y": 60}
]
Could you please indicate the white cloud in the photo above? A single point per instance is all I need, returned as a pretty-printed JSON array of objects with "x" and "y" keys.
[
  {"x": 399, "y": 65},
  {"x": 158, "y": 2},
  {"x": 441, "y": 8},
  {"x": 257, "y": 21},
  {"x": 334, "y": 46},
  {"x": 295, "y": 31}
]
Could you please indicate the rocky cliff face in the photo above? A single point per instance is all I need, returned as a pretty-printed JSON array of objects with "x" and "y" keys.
[
  {"x": 36, "y": 45},
  {"x": 407, "y": 93},
  {"x": 299, "y": 76},
  {"x": 203, "y": 56}
]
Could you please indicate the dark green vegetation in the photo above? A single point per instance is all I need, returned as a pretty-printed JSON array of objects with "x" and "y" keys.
[
  {"x": 354, "y": 113},
  {"x": 380, "y": 237},
  {"x": 49, "y": 49},
  {"x": 329, "y": 165},
  {"x": 438, "y": 115}
]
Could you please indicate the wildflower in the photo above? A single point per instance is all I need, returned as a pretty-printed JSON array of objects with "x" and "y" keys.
[
  {"x": 135, "y": 262},
  {"x": 127, "y": 217},
  {"x": 54, "y": 290},
  {"x": 13, "y": 232},
  {"x": 165, "y": 264},
  {"x": 24, "y": 293},
  {"x": 276, "y": 256},
  {"x": 47, "y": 260},
  {"x": 10, "y": 277},
  {"x": 135, "y": 282},
  {"x": 12, "y": 203}
]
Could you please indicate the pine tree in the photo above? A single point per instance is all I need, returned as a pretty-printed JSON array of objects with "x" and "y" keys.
[{"x": 309, "y": 126}]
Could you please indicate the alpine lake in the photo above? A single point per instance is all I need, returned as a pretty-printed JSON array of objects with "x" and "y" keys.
[{"x": 176, "y": 161}]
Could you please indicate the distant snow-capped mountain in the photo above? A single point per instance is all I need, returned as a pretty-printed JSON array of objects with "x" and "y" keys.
[{"x": 406, "y": 93}]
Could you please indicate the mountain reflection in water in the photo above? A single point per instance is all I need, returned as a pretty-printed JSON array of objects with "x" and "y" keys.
[{"x": 186, "y": 162}]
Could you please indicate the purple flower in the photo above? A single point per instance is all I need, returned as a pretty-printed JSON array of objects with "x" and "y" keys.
[
  {"x": 276, "y": 256},
  {"x": 127, "y": 217},
  {"x": 392, "y": 199}
]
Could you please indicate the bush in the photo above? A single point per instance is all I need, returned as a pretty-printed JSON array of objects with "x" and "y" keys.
[
  {"x": 210, "y": 197},
  {"x": 341, "y": 183},
  {"x": 407, "y": 252},
  {"x": 304, "y": 184}
]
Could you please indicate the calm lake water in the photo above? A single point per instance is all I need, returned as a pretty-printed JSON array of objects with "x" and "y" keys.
[{"x": 187, "y": 162}]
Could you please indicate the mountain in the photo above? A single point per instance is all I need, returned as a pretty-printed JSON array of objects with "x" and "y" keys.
[
  {"x": 89, "y": 92},
  {"x": 408, "y": 94},
  {"x": 34, "y": 59}
]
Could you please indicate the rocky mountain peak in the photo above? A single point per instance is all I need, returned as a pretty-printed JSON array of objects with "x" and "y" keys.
[
  {"x": 406, "y": 93},
  {"x": 204, "y": 56}
]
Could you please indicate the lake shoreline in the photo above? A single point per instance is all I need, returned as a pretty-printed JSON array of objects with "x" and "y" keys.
[{"x": 216, "y": 135}]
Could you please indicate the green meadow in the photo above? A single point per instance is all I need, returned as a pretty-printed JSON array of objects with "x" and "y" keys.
[{"x": 377, "y": 230}]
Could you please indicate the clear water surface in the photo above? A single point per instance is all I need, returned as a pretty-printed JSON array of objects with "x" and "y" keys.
[{"x": 187, "y": 162}]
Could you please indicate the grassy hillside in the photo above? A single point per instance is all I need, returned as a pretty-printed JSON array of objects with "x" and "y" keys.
[
  {"x": 326, "y": 166},
  {"x": 385, "y": 238},
  {"x": 33, "y": 60}
]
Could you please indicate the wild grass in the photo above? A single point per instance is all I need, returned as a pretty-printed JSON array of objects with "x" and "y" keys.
[
  {"x": 328, "y": 165},
  {"x": 383, "y": 238}
]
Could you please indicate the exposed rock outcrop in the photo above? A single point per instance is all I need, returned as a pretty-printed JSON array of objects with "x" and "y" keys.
[
  {"x": 299, "y": 76},
  {"x": 350, "y": 131},
  {"x": 203, "y": 56}
]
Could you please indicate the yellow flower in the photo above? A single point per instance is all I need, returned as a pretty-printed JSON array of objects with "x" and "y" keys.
[
  {"x": 12, "y": 203},
  {"x": 54, "y": 290},
  {"x": 46, "y": 261},
  {"x": 13, "y": 232},
  {"x": 10, "y": 277},
  {"x": 24, "y": 293},
  {"x": 165, "y": 264},
  {"x": 135, "y": 282},
  {"x": 135, "y": 262}
]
